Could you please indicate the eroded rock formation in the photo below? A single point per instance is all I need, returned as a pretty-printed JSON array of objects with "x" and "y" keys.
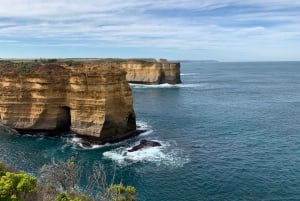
[
  {"x": 92, "y": 100},
  {"x": 144, "y": 144},
  {"x": 152, "y": 72}
]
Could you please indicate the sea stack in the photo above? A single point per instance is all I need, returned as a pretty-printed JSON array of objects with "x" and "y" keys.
[
  {"x": 93, "y": 100},
  {"x": 151, "y": 71}
]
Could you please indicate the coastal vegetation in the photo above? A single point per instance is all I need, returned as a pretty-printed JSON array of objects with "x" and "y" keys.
[
  {"x": 17, "y": 67},
  {"x": 59, "y": 181},
  {"x": 27, "y": 66}
]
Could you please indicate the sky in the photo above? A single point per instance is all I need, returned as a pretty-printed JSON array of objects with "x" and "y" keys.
[{"x": 224, "y": 30}]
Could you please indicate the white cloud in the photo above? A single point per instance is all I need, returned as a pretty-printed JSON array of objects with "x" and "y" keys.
[{"x": 149, "y": 23}]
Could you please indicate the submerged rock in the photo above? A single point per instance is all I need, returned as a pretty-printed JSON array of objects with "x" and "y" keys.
[
  {"x": 144, "y": 144},
  {"x": 7, "y": 129},
  {"x": 86, "y": 144}
]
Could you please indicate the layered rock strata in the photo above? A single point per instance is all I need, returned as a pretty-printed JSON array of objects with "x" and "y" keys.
[
  {"x": 92, "y": 100},
  {"x": 152, "y": 72}
]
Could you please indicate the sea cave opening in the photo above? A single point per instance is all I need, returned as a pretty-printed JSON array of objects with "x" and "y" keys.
[{"x": 64, "y": 119}]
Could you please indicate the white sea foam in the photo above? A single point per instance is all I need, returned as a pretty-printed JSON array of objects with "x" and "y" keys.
[
  {"x": 163, "y": 155},
  {"x": 188, "y": 74},
  {"x": 94, "y": 146},
  {"x": 74, "y": 139},
  {"x": 147, "y": 132},
  {"x": 197, "y": 85},
  {"x": 122, "y": 156},
  {"x": 168, "y": 86},
  {"x": 143, "y": 125},
  {"x": 77, "y": 142},
  {"x": 142, "y": 86}
]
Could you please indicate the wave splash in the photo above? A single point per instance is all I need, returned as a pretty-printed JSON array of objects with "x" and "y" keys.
[
  {"x": 80, "y": 143},
  {"x": 168, "y": 154},
  {"x": 163, "y": 155}
]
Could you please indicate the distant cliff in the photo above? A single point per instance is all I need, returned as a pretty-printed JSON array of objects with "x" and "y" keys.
[
  {"x": 152, "y": 72},
  {"x": 91, "y": 99}
]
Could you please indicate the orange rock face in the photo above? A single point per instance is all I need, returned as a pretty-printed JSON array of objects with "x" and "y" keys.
[
  {"x": 155, "y": 72},
  {"x": 92, "y": 100}
]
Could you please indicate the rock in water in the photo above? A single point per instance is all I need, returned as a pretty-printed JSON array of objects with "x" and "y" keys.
[
  {"x": 144, "y": 144},
  {"x": 7, "y": 129},
  {"x": 152, "y": 71},
  {"x": 92, "y": 100}
]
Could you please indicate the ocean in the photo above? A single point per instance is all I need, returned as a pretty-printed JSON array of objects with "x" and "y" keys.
[{"x": 230, "y": 131}]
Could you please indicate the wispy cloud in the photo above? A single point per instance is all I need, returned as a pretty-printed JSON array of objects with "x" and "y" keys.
[{"x": 190, "y": 26}]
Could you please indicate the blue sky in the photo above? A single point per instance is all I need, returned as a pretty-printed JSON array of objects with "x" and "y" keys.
[{"x": 225, "y": 30}]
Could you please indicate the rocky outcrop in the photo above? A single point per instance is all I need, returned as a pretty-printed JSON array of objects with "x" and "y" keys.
[
  {"x": 152, "y": 71},
  {"x": 93, "y": 100},
  {"x": 144, "y": 144}
]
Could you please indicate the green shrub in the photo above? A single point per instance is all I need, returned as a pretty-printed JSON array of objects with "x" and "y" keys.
[
  {"x": 20, "y": 186},
  {"x": 14, "y": 186},
  {"x": 62, "y": 197},
  {"x": 65, "y": 197},
  {"x": 119, "y": 192}
]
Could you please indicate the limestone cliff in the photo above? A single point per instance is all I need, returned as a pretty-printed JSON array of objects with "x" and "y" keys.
[
  {"x": 90, "y": 99},
  {"x": 152, "y": 72}
]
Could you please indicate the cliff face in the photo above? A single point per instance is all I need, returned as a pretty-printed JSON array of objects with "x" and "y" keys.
[
  {"x": 92, "y": 100},
  {"x": 152, "y": 72}
]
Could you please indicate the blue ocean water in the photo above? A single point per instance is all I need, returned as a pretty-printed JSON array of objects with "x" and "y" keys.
[{"x": 231, "y": 131}]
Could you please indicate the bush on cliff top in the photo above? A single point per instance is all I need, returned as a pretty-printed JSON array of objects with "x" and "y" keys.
[
  {"x": 29, "y": 66},
  {"x": 17, "y": 67},
  {"x": 16, "y": 186},
  {"x": 59, "y": 184},
  {"x": 8, "y": 67}
]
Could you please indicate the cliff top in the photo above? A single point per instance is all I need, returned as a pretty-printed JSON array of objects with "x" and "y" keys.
[
  {"x": 41, "y": 65},
  {"x": 9, "y": 67}
]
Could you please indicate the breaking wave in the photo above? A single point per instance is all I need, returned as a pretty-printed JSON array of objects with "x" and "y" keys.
[
  {"x": 143, "y": 125},
  {"x": 163, "y": 155},
  {"x": 78, "y": 142}
]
